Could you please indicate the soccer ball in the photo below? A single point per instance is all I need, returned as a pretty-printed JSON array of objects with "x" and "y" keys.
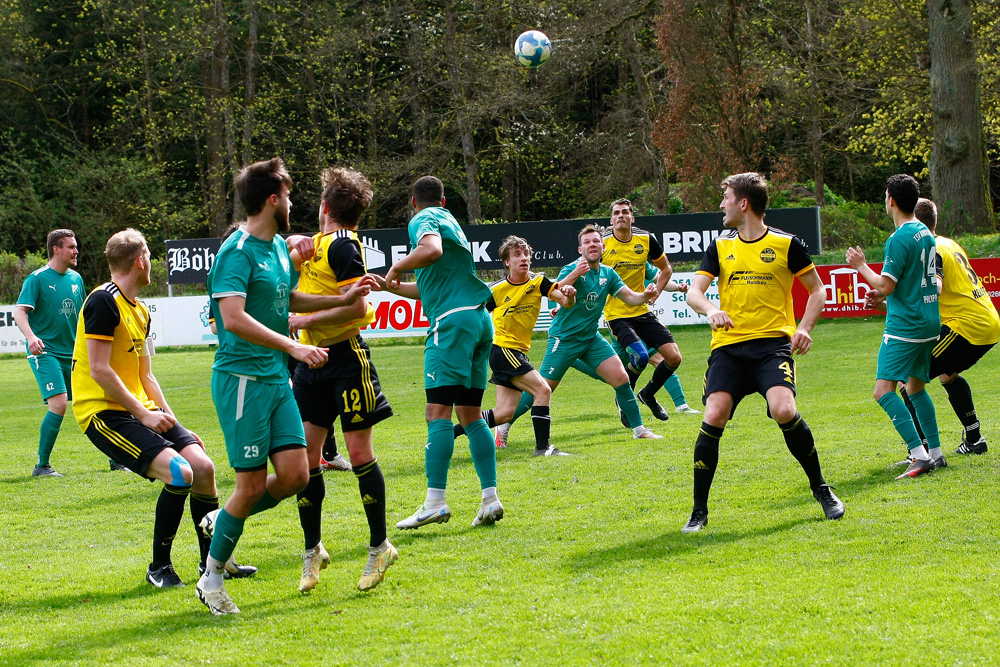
[{"x": 532, "y": 48}]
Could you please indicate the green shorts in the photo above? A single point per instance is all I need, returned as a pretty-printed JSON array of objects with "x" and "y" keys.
[
  {"x": 457, "y": 351},
  {"x": 257, "y": 419},
  {"x": 560, "y": 353},
  {"x": 900, "y": 360},
  {"x": 52, "y": 374}
]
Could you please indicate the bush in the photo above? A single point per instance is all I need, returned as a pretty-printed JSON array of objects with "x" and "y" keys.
[
  {"x": 854, "y": 223},
  {"x": 13, "y": 271}
]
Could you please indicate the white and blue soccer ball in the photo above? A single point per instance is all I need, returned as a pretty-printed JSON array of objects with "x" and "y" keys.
[{"x": 532, "y": 48}]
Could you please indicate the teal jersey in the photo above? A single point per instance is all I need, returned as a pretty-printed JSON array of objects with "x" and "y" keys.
[
  {"x": 450, "y": 283},
  {"x": 261, "y": 272},
  {"x": 910, "y": 261},
  {"x": 54, "y": 300},
  {"x": 592, "y": 292}
]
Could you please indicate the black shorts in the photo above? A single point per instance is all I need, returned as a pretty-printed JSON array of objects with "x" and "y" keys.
[
  {"x": 507, "y": 364},
  {"x": 954, "y": 354},
  {"x": 751, "y": 367},
  {"x": 347, "y": 385},
  {"x": 645, "y": 328},
  {"x": 124, "y": 439}
]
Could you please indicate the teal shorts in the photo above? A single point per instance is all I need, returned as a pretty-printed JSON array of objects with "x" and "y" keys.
[
  {"x": 457, "y": 351},
  {"x": 900, "y": 360},
  {"x": 560, "y": 353},
  {"x": 52, "y": 374},
  {"x": 257, "y": 419}
]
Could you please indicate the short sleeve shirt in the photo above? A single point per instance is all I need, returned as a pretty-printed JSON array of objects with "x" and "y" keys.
[
  {"x": 109, "y": 315},
  {"x": 261, "y": 272},
  {"x": 592, "y": 292},
  {"x": 910, "y": 262},
  {"x": 54, "y": 300},
  {"x": 964, "y": 303},
  {"x": 628, "y": 259},
  {"x": 755, "y": 283},
  {"x": 338, "y": 262},
  {"x": 515, "y": 308},
  {"x": 451, "y": 282}
]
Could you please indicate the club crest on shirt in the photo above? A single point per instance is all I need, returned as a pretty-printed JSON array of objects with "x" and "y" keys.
[
  {"x": 638, "y": 248},
  {"x": 767, "y": 255}
]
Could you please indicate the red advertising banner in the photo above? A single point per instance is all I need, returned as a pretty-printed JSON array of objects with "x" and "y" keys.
[{"x": 845, "y": 288}]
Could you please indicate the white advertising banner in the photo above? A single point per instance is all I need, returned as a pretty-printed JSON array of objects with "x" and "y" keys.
[{"x": 183, "y": 320}]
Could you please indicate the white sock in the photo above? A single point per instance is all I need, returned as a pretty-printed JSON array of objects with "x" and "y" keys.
[
  {"x": 920, "y": 453},
  {"x": 638, "y": 430},
  {"x": 489, "y": 493},
  {"x": 936, "y": 453},
  {"x": 435, "y": 498},
  {"x": 213, "y": 578}
]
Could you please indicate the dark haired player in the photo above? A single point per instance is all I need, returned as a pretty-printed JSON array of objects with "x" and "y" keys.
[
  {"x": 754, "y": 335},
  {"x": 970, "y": 327},
  {"x": 456, "y": 352},
  {"x": 347, "y": 385},
  {"x": 252, "y": 284},
  {"x": 912, "y": 323}
]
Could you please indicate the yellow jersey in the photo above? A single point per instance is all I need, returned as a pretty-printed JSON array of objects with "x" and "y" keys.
[
  {"x": 755, "y": 283},
  {"x": 965, "y": 305},
  {"x": 515, "y": 309},
  {"x": 339, "y": 261},
  {"x": 107, "y": 314},
  {"x": 628, "y": 259}
]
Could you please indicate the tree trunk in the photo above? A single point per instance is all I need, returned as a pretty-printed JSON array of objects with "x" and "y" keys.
[
  {"x": 253, "y": 16},
  {"x": 465, "y": 126},
  {"x": 815, "y": 112},
  {"x": 958, "y": 164}
]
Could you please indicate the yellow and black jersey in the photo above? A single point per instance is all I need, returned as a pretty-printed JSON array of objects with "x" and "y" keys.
[
  {"x": 108, "y": 315},
  {"x": 515, "y": 309},
  {"x": 628, "y": 259},
  {"x": 338, "y": 262},
  {"x": 965, "y": 305},
  {"x": 755, "y": 283}
]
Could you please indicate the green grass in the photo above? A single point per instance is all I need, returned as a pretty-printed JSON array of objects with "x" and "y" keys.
[{"x": 588, "y": 566}]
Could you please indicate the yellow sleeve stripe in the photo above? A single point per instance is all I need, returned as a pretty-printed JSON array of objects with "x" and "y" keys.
[
  {"x": 349, "y": 282},
  {"x": 806, "y": 270},
  {"x": 96, "y": 337},
  {"x": 705, "y": 273}
]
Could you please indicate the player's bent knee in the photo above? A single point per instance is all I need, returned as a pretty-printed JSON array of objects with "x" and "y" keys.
[
  {"x": 638, "y": 355},
  {"x": 181, "y": 473}
]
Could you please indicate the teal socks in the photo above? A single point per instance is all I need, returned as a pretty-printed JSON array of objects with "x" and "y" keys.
[
  {"x": 927, "y": 417},
  {"x": 901, "y": 420},
  {"x": 628, "y": 405},
  {"x": 439, "y": 449},
  {"x": 47, "y": 436},
  {"x": 484, "y": 452},
  {"x": 228, "y": 530}
]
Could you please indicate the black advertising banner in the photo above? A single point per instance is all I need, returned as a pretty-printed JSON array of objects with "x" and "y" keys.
[{"x": 683, "y": 237}]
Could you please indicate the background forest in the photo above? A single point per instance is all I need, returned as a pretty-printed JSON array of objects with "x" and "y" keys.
[{"x": 124, "y": 113}]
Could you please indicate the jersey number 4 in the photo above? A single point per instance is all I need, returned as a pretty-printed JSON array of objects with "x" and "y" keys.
[{"x": 927, "y": 258}]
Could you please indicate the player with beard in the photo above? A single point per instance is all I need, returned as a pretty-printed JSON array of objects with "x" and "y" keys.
[{"x": 252, "y": 283}]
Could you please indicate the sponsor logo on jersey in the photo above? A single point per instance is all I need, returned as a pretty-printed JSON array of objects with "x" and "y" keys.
[
  {"x": 767, "y": 255},
  {"x": 730, "y": 258}
]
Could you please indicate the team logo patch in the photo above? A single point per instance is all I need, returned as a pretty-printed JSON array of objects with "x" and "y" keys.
[
  {"x": 638, "y": 248},
  {"x": 529, "y": 290},
  {"x": 767, "y": 255},
  {"x": 602, "y": 281}
]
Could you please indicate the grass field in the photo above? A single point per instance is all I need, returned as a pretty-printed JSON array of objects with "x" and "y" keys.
[{"x": 588, "y": 566}]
